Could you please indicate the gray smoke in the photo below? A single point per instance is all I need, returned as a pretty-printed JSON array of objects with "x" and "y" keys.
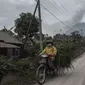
[{"x": 76, "y": 18}]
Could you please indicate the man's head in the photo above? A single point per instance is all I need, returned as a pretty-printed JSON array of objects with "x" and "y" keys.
[{"x": 49, "y": 43}]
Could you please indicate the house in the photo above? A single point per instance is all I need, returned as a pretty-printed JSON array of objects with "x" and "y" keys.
[{"x": 9, "y": 45}]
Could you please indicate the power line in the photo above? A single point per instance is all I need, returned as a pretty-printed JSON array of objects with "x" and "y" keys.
[
  {"x": 55, "y": 6},
  {"x": 55, "y": 16},
  {"x": 62, "y": 6}
]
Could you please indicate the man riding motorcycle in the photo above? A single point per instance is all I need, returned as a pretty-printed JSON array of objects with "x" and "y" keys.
[{"x": 51, "y": 51}]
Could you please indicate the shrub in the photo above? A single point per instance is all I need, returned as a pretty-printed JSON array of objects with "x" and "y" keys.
[
  {"x": 64, "y": 54},
  {"x": 5, "y": 66}
]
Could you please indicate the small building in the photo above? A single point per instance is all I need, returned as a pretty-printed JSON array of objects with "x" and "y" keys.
[{"x": 9, "y": 45}]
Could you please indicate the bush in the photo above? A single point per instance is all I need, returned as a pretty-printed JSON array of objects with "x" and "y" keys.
[
  {"x": 6, "y": 66},
  {"x": 64, "y": 55},
  {"x": 26, "y": 67}
]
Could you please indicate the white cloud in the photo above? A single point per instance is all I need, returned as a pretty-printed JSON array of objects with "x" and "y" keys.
[
  {"x": 30, "y": 2},
  {"x": 10, "y": 10},
  {"x": 3, "y": 19}
]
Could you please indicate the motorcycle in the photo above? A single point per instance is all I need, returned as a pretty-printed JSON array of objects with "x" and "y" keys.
[{"x": 44, "y": 69}]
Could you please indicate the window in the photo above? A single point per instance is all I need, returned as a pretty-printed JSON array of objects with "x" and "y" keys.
[
  {"x": 13, "y": 52},
  {"x": 16, "y": 52},
  {"x": 10, "y": 51}
]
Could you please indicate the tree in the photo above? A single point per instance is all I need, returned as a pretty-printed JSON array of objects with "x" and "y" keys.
[
  {"x": 22, "y": 24},
  {"x": 37, "y": 37},
  {"x": 76, "y": 36}
]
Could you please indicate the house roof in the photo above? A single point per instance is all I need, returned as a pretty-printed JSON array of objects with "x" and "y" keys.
[
  {"x": 7, "y": 38},
  {"x": 4, "y": 45}
]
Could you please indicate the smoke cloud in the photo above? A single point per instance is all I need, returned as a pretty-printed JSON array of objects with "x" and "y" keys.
[{"x": 76, "y": 18}]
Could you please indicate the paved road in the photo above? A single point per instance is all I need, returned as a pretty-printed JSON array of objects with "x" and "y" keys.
[{"x": 74, "y": 77}]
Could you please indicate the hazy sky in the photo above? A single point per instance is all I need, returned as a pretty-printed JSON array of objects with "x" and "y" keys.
[{"x": 10, "y": 10}]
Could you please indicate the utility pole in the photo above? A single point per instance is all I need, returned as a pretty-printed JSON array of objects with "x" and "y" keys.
[
  {"x": 61, "y": 31},
  {"x": 40, "y": 25},
  {"x": 30, "y": 23},
  {"x": 81, "y": 32}
]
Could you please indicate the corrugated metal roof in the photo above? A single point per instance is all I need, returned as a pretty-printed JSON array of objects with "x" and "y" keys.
[
  {"x": 4, "y": 45},
  {"x": 7, "y": 38}
]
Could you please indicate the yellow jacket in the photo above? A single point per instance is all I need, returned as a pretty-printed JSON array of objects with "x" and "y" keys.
[{"x": 50, "y": 50}]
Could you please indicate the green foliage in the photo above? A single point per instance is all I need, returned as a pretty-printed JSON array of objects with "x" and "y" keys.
[
  {"x": 22, "y": 24},
  {"x": 66, "y": 45},
  {"x": 6, "y": 66},
  {"x": 21, "y": 29},
  {"x": 64, "y": 55},
  {"x": 76, "y": 36}
]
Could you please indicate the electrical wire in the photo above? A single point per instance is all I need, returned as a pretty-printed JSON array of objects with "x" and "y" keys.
[
  {"x": 56, "y": 6},
  {"x": 55, "y": 16},
  {"x": 62, "y": 5},
  {"x": 65, "y": 10}
]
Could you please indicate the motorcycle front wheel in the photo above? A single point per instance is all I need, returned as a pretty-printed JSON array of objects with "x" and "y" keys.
[{"x": 41, "y": 74}]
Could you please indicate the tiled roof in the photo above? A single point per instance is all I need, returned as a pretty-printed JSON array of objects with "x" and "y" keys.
[
  {"x": 7, "y": 38},
  {"x": 4, "y": 45}
]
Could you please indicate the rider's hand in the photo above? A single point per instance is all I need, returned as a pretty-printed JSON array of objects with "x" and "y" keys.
[{"x": 39, "y": 54}]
